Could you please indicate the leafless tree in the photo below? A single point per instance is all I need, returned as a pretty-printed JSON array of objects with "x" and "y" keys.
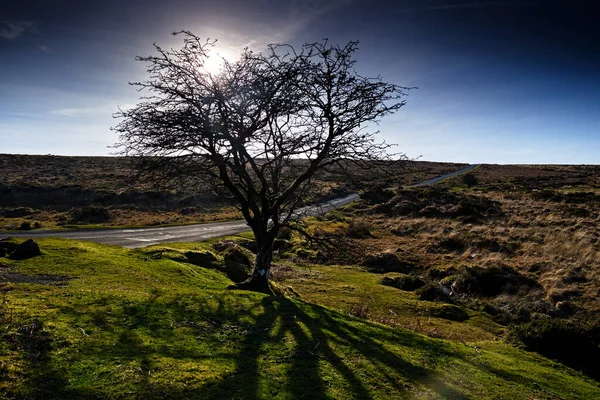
[{"x": 259, "y": 130}]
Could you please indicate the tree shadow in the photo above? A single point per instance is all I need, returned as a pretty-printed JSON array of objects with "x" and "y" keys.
[{"x": 260, "y": 347}]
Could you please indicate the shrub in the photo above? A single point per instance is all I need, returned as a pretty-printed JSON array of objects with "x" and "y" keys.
[{"x": 90, "y": 214}]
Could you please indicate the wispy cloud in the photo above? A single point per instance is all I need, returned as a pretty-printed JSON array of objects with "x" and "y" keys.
[
  {"x": 12, "y": 30},
  {"x": 481, "y": 4},
  {"x": 101, "y": 110}
]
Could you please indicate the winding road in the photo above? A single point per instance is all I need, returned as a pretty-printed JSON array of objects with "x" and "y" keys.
[{"x": 132, "y": 238}]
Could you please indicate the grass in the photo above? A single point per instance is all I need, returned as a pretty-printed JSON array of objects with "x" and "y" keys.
[{"x": 126, "y": 325}]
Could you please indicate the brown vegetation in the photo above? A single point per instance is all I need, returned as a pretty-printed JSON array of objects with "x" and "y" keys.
[
  {"x": 523, "y": 250},
  {"x": 55, "y": 191}
]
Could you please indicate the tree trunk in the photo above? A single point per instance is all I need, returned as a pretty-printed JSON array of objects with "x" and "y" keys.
[{"x": 259, "y": 280}]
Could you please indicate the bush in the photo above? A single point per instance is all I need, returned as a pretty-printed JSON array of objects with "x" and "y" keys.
[
  {"x": 408, "y": 283},
  {"x": 90, "y": 214}
]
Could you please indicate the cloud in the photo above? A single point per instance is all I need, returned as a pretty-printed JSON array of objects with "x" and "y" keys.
[
  {"x": 480, "y": 4},
  {"x": 95, "y": 111},
  {"x": 12, "y": 30}
]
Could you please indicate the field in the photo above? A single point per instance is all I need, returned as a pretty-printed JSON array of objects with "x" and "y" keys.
[
  {"x": 74, "y": 192},
  {"x": 444, "y": 292},
  {"x": 95, "y": 321}
]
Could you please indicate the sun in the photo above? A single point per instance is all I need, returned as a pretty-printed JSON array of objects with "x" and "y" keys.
[{"x": 213, "y": 64}]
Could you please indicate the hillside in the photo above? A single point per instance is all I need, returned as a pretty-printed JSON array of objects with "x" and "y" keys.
[
  {"x": 57, "y": 191},
  {"x": 90, "y": 321}
]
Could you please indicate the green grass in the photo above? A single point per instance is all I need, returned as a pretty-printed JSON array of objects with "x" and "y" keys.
[{"x": 130, "y": 326}]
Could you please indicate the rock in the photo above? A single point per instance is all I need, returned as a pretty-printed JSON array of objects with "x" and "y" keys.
[
  {"x": 25, "y": 250},
  {"x": 7, "y": 246}
]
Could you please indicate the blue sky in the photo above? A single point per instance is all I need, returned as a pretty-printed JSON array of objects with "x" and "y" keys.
[{"x": 498, "y": 81}]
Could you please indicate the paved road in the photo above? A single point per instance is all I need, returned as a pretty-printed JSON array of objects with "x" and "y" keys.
[
  {"x": 132, "y": 238},
  {"x": 441, "y": 178}
]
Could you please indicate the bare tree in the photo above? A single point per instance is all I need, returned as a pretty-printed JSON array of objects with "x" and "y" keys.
[{"x": 259, "y": 130}]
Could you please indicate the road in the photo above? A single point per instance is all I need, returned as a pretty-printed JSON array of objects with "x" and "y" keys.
[
  {"x": 433, "y": 181},
  {"x": 132, "y": 238}
]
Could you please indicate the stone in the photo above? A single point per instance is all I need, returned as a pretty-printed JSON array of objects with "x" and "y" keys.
[{"x": 25, "y": 250}]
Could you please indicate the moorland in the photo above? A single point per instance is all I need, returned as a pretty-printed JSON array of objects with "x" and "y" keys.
[{"x": 435, "y": 292}]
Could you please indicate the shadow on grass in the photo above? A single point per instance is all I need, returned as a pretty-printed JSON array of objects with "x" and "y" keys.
[{"x": 235, "y": 345}]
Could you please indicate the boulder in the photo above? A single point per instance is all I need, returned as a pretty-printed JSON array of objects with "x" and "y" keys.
[{"x": 25, "y": 250}]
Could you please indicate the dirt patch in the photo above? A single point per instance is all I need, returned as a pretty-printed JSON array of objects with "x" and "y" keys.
[{"x": 7, "y": 276}]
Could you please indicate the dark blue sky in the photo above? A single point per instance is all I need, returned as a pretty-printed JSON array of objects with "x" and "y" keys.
[{"x": 499, "y": 81}]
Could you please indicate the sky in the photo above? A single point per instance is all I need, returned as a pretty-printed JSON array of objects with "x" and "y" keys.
[{"x": 509, "y": 82}]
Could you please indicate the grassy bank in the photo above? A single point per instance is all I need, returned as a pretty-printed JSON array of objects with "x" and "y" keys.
[{"x": 92, "y": 321}]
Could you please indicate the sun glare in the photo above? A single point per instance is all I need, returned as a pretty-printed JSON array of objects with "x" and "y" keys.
[{"x": 213, "y": 64}]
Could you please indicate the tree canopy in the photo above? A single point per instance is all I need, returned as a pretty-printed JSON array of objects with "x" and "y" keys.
[{"x": 258, "y": 130}]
